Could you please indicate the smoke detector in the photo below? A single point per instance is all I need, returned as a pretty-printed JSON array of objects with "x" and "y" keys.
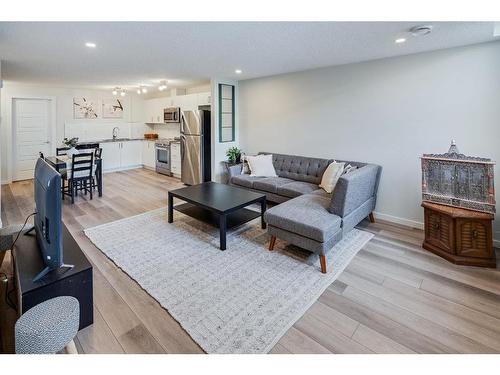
[{"x": 421, "y": 30}]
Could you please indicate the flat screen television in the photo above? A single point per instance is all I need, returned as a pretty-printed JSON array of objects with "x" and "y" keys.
[{"x": 48, "y": 225}]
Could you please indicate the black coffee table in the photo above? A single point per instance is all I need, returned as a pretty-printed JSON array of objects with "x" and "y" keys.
[{"x": 217, "y": 204}]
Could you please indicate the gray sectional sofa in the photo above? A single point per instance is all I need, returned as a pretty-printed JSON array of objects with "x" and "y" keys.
[{"x": 306, "y": 215}]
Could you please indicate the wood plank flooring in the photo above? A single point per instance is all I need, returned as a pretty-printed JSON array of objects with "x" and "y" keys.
[{"x": 394, "y": 297}]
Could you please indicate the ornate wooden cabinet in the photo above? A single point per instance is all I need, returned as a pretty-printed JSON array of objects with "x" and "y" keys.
[{"x": 459, "y": 235}]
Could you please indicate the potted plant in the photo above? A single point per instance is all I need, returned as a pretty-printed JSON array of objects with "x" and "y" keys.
[
  {"x": 71, "y": 143},
  {"x": 233, "y": 155}
]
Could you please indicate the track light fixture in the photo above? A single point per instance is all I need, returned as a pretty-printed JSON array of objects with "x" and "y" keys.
[{"x": 163, "y": 85}]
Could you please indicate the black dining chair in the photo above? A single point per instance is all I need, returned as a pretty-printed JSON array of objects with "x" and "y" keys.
[
  {"x": 97, "y": 155},
  {"x": 80, "y": 176},
  {"x": 61, "y": 151}
]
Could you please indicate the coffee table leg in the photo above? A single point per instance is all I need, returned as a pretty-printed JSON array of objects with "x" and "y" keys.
[
  {"x": 170, "y": 208},
  {"x": 222, "y": 230},
  {"x": 262, "y": 211}
]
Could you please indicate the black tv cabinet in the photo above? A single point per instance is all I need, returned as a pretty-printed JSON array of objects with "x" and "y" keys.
[{"x": 76, "y": 282}]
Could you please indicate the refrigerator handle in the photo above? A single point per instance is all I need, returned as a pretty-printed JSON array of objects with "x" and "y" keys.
[
  {"x": 182, "y": 122},
  {"x": 183, "y": 146}
]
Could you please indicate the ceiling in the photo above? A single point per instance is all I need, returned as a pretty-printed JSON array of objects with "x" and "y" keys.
[{"x": 189, "y": 53}]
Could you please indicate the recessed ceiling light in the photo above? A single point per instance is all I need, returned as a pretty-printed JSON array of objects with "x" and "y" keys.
[
  {"x": 400, "y": 40},
  {"x": 90, "y": 45},
  {"x": 421, "y": 30},
  {"x": 144, "y": 90},
  {"x": 238, "y": 71}
]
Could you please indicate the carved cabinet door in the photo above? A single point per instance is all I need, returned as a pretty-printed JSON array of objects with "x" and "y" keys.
[
  {"x": 439, "y": 231},
  {"x": 474, "y": 238}
]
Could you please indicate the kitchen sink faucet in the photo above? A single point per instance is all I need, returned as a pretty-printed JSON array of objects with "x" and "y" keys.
[{"x": 116, "y": 129}]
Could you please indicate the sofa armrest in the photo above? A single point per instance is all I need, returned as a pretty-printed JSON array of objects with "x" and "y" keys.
[{"x": 355, "y": 188}]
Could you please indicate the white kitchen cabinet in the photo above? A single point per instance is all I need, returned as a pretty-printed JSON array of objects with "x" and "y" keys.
[
  {"x": 153, "y": 109},
  {"x": 175, "y": 159},
  {"x": 148, "y": 154},
  {"x": 121, "y": 155},
  {"x": 131, "y": 154},
  {"x": 203, "y": 98},
  {"x": 111, "y": 158},
  {"x": 149, "y": 111}
]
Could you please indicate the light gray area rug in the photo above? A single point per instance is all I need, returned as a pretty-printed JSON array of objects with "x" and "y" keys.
[{"x": 242, "y": 300}]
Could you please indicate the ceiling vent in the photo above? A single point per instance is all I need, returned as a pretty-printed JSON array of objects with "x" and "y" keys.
[{"x": 421, "y": 30}]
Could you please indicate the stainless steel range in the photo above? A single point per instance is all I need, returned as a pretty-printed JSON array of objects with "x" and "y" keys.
[{"x": 162, "y": 148}]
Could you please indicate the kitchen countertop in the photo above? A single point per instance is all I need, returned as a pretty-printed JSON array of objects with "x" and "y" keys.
[{"x": 109, "y": 140}]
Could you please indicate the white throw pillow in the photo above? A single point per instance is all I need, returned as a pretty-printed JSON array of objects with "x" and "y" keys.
[
  {"x": 331, "y": 176},
  {"x": 261, "y": 166}
]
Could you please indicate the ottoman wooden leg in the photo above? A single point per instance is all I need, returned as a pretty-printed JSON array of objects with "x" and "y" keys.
[
  {"x": 71, "y": 348},
  {"x": 271, "y": 243},
  {"x": 322, "y": 261},
  {"x": 372, "y": 219}
]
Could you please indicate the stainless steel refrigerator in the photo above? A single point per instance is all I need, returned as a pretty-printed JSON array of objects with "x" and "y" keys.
[{"x": 195, "y": 147}]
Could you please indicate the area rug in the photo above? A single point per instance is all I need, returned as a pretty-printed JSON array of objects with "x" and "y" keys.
[{"x": 242, "y": 300}]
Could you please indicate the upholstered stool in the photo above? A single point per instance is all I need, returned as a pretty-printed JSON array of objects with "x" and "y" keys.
[{"x": 48, "y": 327}]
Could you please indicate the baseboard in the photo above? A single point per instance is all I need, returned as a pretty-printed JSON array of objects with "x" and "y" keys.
[
  {"x": 122, "y": 169},
  {"x": 399, "y": 220}
]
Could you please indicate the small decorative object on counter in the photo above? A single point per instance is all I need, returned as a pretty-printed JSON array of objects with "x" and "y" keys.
[
  {"x": 233, "y": 155},
  {"x": 454, "y": 179},
  {"x": 71, "y": 143},
  {"x": 150, "y": 136}
]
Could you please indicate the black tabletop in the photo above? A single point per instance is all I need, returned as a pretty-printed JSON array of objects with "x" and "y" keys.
[
  {"x": 219, "y": 197},
  {"x": 54, "y": 160}
]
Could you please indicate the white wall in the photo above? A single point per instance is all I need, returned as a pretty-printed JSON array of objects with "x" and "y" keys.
[
  {"x": 219, "y": 148},
  {"x": 388, "y": 112},
  {"x": 133, "y": 112}
]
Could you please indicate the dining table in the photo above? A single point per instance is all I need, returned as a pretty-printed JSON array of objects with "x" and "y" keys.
[{"x": 64, "y": 162}]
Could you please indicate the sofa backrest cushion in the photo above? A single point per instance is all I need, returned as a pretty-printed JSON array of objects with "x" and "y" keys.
[{"x": 299, "y": 168}]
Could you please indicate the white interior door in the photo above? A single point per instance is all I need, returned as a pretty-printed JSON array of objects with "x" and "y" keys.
[{"x": 32, "y": 134}]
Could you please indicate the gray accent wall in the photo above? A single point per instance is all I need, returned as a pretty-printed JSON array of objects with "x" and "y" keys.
[{"x": 388, "y": 112}]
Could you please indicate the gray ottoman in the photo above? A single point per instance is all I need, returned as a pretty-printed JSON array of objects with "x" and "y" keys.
[
  {"x": 48, "y": 327},
  {"x": 305, "y": 222}
]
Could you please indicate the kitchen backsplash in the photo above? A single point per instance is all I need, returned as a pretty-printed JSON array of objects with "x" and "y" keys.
[
  {"x": 96, "y": 131},
  {"x": 167, "y": 130}
]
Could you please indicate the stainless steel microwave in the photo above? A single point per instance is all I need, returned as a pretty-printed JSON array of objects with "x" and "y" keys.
[{"x": 172, "y": 114}]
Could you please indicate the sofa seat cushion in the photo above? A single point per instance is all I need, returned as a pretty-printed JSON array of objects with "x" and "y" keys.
[
  {"x": 270, "y": 184},
  {"x": 307, "y": 216},
  {"x": 296, "y": 188},
  {"x": 245, "y": 180}
]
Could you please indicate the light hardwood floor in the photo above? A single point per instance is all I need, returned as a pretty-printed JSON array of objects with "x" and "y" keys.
[{"x": 394, "y": 297}]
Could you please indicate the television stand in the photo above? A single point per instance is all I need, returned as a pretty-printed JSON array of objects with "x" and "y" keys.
[
  {"x": 46, "y": 270},
  {"x": 75, "y": 281}
]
